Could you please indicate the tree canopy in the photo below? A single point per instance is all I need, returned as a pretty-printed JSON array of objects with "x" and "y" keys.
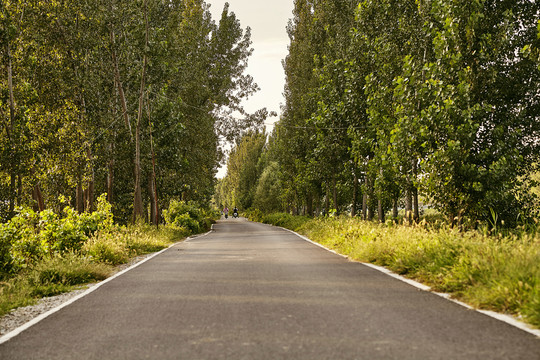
[
  {"x": 395, "y": 103},
  {"x": 128, "y": 98}
]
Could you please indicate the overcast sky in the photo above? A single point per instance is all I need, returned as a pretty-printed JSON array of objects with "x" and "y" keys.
[{"x": 268, "y": 21}]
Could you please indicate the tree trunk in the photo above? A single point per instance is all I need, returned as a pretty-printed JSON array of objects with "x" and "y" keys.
[
  {"x": 154, "y": 196},
  {"x": 79, "y": 194},
  {"x": 380, "y": 211},
  {"x": 138, "y": 209},
  {"x": 154, "y": 208},
  {"x": 151, "y": 194},
  {"x": 89, "y": 199},
  {"x": 334, "y": 195},
  {"x": 110, "y": 177},
  {"x": 355, "y": 196},
  {"x": 327, "y": 201},
  {"x": 39, "y": 204},
  {"x": 318, "y": 203},
  {"x": 408, "y": 204},
  {"x": 365, "y": 201},
  {"x": 371, "y": 203},
  {"x": 119, "y": 85},
  {"x": 395, "y": 208},
  {"x": 19, "y": 189},
  {"x": 416, "y": 214},
  {"x": 11, "y": 136},
  {"x": 310, "y": 204},
  {"x": 416, "y": 209}
]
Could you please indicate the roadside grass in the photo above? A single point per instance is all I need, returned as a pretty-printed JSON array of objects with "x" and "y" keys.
[
  {"x": 94, "y": 262},
  {"x": 285, "y": 220},
  {"x": 50, "y": 277},
  {"x": 494, "y": 272}
]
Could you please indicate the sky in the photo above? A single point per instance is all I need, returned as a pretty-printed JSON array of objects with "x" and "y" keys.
[{"x": 268, "y": 21}]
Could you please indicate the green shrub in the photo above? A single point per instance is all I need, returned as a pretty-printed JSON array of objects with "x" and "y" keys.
[
  {"x": 185, "y": 221},
  {"x": 30, "y": 236},
  {"x": 70, "y": 269},
  {"x": 188, "y": 216},
  {"x": 61, "y": 234},
  {"x": 26, "y": 245},
  {"x": 6, "y": 263},
  {"x": 45, "y": 254}
]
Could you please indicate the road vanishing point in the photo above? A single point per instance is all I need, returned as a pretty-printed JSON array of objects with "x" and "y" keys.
[{"x": 253, "y": 291}]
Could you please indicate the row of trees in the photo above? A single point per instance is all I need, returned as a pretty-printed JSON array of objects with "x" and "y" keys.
[
  {"x": 128, "y": 98},
  {"x": 392, "y": 101}
]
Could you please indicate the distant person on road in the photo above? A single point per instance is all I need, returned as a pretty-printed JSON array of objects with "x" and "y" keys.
[{"x": 226, "y": 212}]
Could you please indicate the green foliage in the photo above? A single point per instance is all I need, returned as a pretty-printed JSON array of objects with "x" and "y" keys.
[
  {"x": 26, "y": 246},
  {"x": 31, "y": 236},
  {"x": 254, "y": 215},
  {"x": 268, "y": 190},
  {"x": 145, "y": 239},
  {"x": 396, "y": 101},
  {"x": 74, "y": 120},
  {"x": 57, "y": 274},
  {"x": 188, "y": 217},
  {"x": 107, "y": 248},
  {"x": 239, "y": 186},
  {"x": 185, "y": 221}
]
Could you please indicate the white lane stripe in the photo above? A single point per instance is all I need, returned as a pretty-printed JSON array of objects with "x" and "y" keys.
[
  {"x": 501, "y": 317},
  {"x": 10, "y": 335}
]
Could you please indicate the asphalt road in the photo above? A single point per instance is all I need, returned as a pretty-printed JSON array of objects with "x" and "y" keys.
[{"x": 251, "y": 291}]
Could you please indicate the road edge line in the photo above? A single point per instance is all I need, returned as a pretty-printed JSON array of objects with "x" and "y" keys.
[
  {"x": 13, "y": 333},
  {"x": 510, "y": 320}
]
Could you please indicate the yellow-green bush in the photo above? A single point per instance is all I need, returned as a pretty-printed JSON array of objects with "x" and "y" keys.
[
  {"x": 31, "y": 236},
  {"x": 188, "y": 216}
]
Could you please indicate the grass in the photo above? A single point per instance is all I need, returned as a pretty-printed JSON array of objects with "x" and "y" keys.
[
  {"x": 495, "y": 272},
  {"x": 48, "y": 278},
  {"x": 96, "y": 261}
]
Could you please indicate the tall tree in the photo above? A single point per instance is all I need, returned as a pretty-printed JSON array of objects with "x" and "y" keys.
[
  {"x": 101, "y": 95},
  {"x": 299, "y": 105},
  {"x": 240, "y": 184},
  {"x": 331, "y": 159},
  {"x": 484, "y": 107}
]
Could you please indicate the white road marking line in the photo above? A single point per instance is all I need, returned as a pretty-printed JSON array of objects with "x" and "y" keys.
[{"x": 501, "y": 317}]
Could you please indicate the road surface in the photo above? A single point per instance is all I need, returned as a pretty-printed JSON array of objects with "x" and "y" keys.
[{"x": 252, "y": 291}]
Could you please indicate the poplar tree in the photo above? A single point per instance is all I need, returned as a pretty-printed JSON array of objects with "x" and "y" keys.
[{"x": 125, "y": 98}]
